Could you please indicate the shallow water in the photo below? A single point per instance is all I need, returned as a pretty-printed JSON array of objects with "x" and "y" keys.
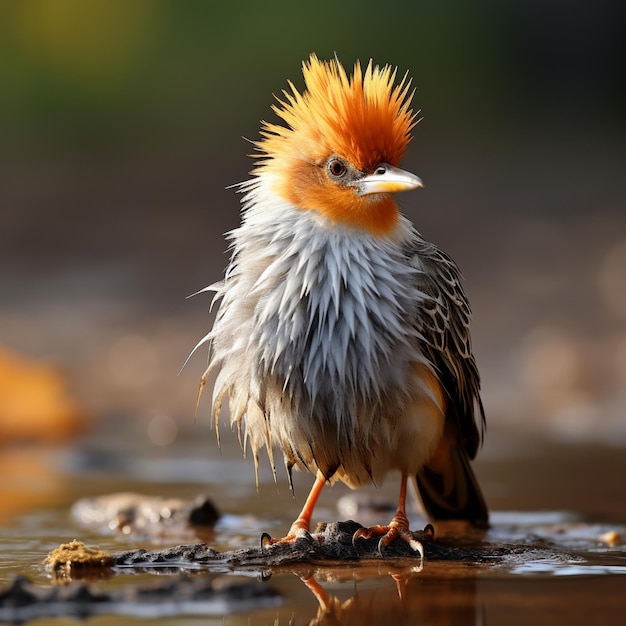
[{"x": 567, "y": 504}]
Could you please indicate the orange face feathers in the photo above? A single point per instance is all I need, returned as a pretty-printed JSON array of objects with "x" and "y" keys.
[{"x": 338, "y": 132}]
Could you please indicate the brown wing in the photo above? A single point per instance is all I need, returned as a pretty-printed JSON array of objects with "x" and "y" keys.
[{"x": 447, "y": 485}]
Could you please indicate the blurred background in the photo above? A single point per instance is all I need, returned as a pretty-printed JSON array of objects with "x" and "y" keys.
[{"x": 122, "y": 122}]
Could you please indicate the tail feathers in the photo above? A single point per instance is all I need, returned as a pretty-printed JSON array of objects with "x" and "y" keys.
[{"x": 451, "y": 491}]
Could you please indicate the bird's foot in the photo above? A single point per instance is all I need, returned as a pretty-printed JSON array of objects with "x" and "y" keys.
[
  {"x": 297, "y": 531},
  {"x": 397, "y": 529}
]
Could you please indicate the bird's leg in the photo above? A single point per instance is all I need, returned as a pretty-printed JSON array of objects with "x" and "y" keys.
[
  {"x": 302, "y": 525},
  {"x": 304, "y": 519},
  {"x": 397, "y": 528}
]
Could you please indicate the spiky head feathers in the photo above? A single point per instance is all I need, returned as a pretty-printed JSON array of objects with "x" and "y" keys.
[{"x": 364, "y": 118}]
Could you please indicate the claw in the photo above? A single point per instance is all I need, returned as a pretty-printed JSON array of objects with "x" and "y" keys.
[
  {"x": 359, "y": 534},
  {"x": 417, "y": 547},
  {"x": 381, "y": 545},
  {"x": 306, "y": 535},
  {"x": 266, "y": 540},
  {"x": 429, "y": 532}
]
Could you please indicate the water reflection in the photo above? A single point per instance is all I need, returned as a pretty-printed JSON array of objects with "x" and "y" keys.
[{"x": 413, "y": 599}]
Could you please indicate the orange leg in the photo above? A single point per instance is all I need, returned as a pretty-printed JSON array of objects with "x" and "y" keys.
[
  {"x": 397, "y": 528},
  {"x": 302, "y": 525},
  {"x": 304, "y": 519}
]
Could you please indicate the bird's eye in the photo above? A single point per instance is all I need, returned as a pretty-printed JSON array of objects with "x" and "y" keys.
[{"x": 337, "y": 168}]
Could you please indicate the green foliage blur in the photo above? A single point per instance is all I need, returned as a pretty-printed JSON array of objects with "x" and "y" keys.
[{"x": 99, "y": 75}]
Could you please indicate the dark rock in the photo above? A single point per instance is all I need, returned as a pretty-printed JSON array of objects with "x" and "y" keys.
[{"x": 330, "y": 543}]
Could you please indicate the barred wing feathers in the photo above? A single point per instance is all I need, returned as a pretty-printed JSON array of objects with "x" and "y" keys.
[{"x": 447, "y": 485}]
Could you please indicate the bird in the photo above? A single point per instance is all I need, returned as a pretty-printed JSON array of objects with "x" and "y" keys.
[{"x": 342, "y": 336}]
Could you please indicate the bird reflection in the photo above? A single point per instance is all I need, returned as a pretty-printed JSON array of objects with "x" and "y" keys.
[{"x": 417, "y": 600}]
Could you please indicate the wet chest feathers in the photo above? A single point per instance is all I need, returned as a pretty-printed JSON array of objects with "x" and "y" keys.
[{"x": 318, "y": 309}]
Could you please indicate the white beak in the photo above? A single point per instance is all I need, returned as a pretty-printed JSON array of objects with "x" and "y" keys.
[{"x": 387, "y": 179}]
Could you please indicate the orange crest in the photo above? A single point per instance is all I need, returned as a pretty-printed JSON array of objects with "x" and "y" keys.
[{"x": 364, "y": 118}]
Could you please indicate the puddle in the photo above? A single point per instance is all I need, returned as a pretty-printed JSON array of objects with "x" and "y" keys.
[{"x": 541, "y": 565}]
